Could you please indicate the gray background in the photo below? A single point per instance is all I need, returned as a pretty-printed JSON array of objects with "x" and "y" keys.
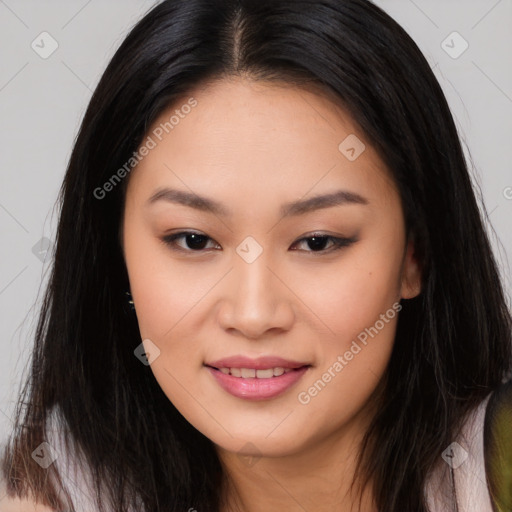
[{"x": 42, "y": 101}]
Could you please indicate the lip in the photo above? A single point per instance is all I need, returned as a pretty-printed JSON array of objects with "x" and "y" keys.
[
  {"x": 253, "y": 388},
  {"x": 259, "y": 363}
]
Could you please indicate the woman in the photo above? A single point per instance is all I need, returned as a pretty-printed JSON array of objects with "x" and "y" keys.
[{"x": 272, "y": 285}]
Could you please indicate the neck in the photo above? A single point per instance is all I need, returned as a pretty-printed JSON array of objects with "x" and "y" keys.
[{"x": 319, "y": 477}]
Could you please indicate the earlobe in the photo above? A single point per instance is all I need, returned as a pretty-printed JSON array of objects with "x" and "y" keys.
[{"x": 411, "y": 274}]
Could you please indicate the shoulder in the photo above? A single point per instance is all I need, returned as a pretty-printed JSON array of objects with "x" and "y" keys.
[
  {"x": 62, "y": 475},
  {"x": 460, "y": 477},
  {"x": 77, "y": 480},
  {"x": 13, "y": 503},
  {"x": 70, "y": 464},
  {"x": 21, "y": 505},
  {"x": 69, "y": 474}
]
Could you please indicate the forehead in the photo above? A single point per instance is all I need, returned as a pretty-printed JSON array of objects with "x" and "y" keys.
[{"x": 258, "y": 137}]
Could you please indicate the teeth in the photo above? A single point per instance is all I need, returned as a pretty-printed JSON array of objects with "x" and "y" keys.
[
  {"x": 264, "y": 374},
  {"x": 248, "y": 373}
]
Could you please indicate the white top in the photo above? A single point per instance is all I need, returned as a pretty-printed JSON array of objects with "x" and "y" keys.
[
  {"x": 464, "y": 467},
  {"x": 467, "y": 471}
]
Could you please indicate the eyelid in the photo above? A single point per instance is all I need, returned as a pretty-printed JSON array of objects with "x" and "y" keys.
[
  {"x": 338, "y": 242},
  {"x": 169, "y": 239}
]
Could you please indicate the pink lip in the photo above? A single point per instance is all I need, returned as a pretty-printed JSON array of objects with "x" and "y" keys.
[
  {"x": 253, "y": 388},
  {"x": 260, "y": 363}
]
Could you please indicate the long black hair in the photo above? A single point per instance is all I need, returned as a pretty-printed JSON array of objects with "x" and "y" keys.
[{"x": 453, "y": 341}]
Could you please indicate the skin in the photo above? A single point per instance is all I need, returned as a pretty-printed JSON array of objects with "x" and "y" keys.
[
  {"x": 253, "y": 146},
  {"x": 22, "y": 505}
]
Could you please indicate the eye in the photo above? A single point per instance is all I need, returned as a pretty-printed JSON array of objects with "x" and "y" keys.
[
  {"x": 196, "y": 242},
  {"x": 317, "y": 242}
]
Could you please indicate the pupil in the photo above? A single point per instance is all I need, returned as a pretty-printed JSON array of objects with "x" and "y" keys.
[
  {"x": 197, "y": 240},
  {"x": 317, "y": 242}
]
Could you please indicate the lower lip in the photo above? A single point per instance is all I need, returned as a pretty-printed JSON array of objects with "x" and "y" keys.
[{"x": 253, "y": 388}]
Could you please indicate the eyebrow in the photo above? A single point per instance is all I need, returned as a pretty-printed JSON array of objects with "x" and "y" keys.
[{"x": 300, "y": 207}]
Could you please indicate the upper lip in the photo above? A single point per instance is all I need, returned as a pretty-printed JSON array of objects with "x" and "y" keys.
[{"x": 259, "y": 363}]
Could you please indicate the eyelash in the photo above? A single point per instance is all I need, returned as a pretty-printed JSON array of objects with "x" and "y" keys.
[{"x": 339, "y": 243}]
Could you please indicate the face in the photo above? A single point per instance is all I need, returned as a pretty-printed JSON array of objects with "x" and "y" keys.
[{"x": 268, "y": 312}]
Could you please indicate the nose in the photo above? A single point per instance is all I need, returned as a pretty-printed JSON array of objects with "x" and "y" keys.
[{"x": 256, "y": 300}]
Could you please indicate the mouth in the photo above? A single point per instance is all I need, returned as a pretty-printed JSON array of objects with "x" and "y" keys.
[{"x": 256, "y": 379}]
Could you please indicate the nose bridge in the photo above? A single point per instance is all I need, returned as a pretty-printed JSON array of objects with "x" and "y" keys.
[
  {"x": 254, "y": 281},
  {"x": 255, "y": 300}
]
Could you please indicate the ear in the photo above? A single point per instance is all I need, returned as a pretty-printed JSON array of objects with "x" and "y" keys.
[{"x": 411, "y": 274}]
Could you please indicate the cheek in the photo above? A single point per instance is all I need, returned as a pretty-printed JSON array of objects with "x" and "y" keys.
[
  {"x": 164, "y": 290},
  {"x": 361, "y": 316},
  {"x": 359, "y": 303},
  {"x": 168, "y": 303},
  {"x": 351, "y": 295},
  {"x": 361, "y": 307}
]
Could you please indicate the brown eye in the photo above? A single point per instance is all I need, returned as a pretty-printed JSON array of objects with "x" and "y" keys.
[
  {"x": 194, "y": 242},
  {"x": 317, "y": 243}
]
